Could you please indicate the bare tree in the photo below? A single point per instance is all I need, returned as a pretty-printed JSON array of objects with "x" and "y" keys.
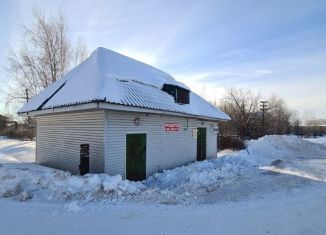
[
  {"x": 278, "y": 118},
  {"x": 296, "y": 124},
  {"x": 246, "y": 115},
  {"x": 312, "y": 124},
  {"x": 80, "y": 52},
  {"x": 242, "y": 106},
  {"x": 44, "y": 56}
]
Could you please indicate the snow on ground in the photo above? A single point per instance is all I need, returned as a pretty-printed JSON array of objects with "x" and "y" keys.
[
  {"x": 16, "y": 150},
  {"x": 319, "y": 140},
  {"x": 277, "y": 213},
  {"x": 275, "y": 186}
]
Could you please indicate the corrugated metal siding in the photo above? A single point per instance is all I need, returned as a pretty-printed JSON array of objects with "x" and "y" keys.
[
  {"x": 59, "y": 137},
  {"x": 165, "y": 150},
  {"x": 140, "y": 94}
]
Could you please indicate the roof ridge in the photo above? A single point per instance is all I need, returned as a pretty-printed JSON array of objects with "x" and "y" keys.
[{"x": 103, "y": 49}]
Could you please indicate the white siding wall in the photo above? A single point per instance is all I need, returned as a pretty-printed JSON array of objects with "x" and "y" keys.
[
  {"x": 165, "y": 150},
  {"x": 59, "y": 137},
  {"x": 211, "y": 143}
]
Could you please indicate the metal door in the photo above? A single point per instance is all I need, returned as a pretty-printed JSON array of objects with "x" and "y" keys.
[
  {"x": 84, "y": 159},
  {"x": 201, "y": 144},
  {"x": 136, "y": 156}
]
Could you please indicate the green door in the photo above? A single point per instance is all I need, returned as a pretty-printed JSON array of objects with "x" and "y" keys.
[
  {"x": 201, "y": 144},
  {"x": 136, "y": 157}
]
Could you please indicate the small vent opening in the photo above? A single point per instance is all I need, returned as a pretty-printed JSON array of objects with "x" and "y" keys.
[{"x": 180, "y": 94}]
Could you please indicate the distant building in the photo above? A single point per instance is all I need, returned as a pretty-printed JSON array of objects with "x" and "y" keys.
[
  {"x": 313, "y": 130},
  {"x": 117, "y": 115},
  {"x": 3, "y": 122}
]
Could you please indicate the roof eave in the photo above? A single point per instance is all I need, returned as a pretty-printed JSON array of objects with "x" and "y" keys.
[{"x": 112, "y": 106}]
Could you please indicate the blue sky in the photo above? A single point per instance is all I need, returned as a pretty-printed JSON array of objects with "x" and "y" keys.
[{"x": 273, "y": 46}]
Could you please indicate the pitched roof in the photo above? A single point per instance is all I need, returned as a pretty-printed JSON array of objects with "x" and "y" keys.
[{"x": 110, "y": 77}]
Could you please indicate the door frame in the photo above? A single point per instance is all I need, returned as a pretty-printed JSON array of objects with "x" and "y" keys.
[
  {"x": 81, "y": 167},
  {"x": 125, "y": 151},
  {"x": 200, "y": 129}
]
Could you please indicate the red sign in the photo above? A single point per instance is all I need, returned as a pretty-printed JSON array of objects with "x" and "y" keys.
[{"x": 171, "y": 126}]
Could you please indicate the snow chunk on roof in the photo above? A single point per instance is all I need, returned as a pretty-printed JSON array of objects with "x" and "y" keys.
[{"x": 111, "y": 77}]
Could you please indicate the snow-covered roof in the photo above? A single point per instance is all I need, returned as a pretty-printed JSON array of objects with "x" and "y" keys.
[{"x": 110, "y": 77}]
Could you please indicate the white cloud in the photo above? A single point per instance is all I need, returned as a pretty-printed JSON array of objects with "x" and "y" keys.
[
  {"x": 213, "y": 76},
  {"x": 209, "y": 92}
]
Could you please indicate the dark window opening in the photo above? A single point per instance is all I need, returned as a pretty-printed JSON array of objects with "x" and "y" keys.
[{"x": 180, "y": 95}]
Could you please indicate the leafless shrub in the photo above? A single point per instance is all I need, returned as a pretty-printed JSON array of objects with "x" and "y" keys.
[{"x": 230, "y": 142}]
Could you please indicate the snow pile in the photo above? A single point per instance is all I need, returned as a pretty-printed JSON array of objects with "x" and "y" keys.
[
  {"x": 319, "y": 140},
  {"x": 284, "y": 154},
  {"x": 231, "y": 173},
  {"x": 116, "y": 184},
  {"x": 73, "y": 207},
  {"x": 288, "y": 148},
  {"x": 200, "y": 174},
  {"x": 25, "y": 182}
]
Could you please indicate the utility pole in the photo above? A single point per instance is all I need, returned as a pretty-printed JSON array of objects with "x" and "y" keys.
[
  {"x": 27, "y": 96},
  {"x": 27, "y": 99},
  {"x": 263, "y": 108}
]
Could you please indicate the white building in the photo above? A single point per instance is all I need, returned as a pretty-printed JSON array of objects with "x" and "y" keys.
[{"x": 117, "y": 115}]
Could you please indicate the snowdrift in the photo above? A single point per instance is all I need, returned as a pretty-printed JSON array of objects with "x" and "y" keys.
[
  {"x": 287, "y": 148},
  {"x": 24, "y": 181}
]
